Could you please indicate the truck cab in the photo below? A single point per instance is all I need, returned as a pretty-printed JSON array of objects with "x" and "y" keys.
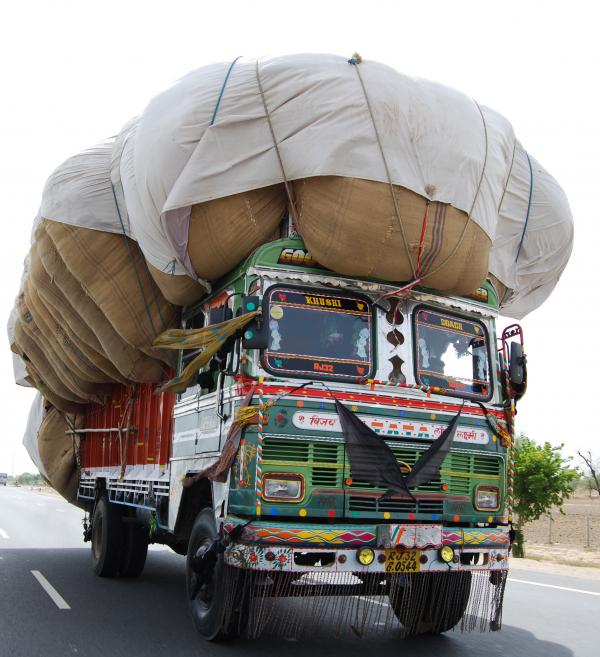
[
  {"x": 243, "y": 464},
  {"x": 405, "y": 365}
]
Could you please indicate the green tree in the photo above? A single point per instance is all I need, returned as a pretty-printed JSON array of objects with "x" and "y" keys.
[
  {"x": 543, "y": 479},
  {"x": 29, "y": 479}
]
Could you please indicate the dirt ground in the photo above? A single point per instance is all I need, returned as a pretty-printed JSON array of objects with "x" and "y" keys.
[{"x": 572, "y": 538}]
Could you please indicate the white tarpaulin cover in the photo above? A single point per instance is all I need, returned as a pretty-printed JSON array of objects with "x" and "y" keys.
[
  {"x": 208, "y": 137},
  {"x": 30, "y": 437}
]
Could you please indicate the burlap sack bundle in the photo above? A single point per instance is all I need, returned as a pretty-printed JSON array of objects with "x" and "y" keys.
[
  {"x": 49, "y": 395},
  {"x": 178, "y": 289},
  {"x": 60, "y": 364},
  {"x": 76, "y": 331},
  {"x": 224, "y": 231},
  {"x": 132, "y": 364},
  {"x": 501, "y": 289},
  {"x": 350, "y": 226},
  {"x": 68, "y": 351},
  {"x": 32, "y": 349},
  {"x": 221, "y": 234},
  {"x": 57, "y": 450},
  {"x": 111, "y": 272}
]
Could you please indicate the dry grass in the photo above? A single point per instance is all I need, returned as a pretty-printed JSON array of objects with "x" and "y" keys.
[{"x": 564, "y": 539}]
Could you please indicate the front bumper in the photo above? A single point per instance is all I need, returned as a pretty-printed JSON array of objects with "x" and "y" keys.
[{"x": 320, "y": 548}]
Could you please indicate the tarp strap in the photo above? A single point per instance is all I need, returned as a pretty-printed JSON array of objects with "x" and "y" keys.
[
  {"x": 528, "y": 204},
  {"x": 355, "y": 60},
  {"x": 214, "y": 116},
  {"x": 286, "y": 183}
]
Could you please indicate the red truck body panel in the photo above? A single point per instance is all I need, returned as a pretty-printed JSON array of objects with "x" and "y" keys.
[{"x": 147, "y": 416}]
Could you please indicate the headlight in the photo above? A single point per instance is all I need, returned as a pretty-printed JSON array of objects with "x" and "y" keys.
[
  {"x": 365, "y": 556},
  {"x": 446, "y": 553},
  {"x": 487, "y": 498},
  {"x": 283, "y": 488}
]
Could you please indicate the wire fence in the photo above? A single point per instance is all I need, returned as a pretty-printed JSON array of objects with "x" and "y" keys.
[{"x": 580, "y": 530}]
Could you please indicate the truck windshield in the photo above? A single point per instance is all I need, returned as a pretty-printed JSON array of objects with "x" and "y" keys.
[
  {"x": 318, "y": 334},
  {"x": 452, "y": 353}
]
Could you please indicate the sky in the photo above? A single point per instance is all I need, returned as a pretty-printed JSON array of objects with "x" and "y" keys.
[{"x": 72, "y": 73}]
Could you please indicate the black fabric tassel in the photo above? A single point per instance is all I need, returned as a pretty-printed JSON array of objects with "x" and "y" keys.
[
  {"x": 372, "y": 460},
  {"x": 370, "y": 457},
  {"x": 348, "y": 604}
]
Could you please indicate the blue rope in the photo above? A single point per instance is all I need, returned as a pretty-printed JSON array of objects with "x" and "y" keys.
[
  {"x": 528, "y": 205},
  {"x": 214, "y": 116}
]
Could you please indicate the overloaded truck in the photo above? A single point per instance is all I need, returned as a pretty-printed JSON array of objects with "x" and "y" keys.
[
  {"x": 272, "y": 506},
  {"x": 261, "y": 322}
]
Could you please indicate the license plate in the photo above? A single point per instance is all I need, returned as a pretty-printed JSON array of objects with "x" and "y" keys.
[{"x": 402, "y": 561}]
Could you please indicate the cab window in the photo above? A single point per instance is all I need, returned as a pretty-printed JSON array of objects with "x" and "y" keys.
[
  {"x": 318, "y": 334},
  {"x": 452, "y": 352}
]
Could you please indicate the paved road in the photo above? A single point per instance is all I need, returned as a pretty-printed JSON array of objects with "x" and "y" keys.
[{"x": 148, "y": 617}]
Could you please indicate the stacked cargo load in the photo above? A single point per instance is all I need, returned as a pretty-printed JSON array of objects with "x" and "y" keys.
[{"x": 384, "y": 176}]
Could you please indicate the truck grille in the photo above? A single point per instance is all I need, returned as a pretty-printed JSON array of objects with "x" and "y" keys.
[
  {"x": 324, "y": 465},
  {"x": 324, "y": 461},
  {"x": 373, "y": 505}
]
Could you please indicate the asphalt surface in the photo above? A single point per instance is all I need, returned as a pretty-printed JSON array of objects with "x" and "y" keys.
[{"x": 52, "y": 605}]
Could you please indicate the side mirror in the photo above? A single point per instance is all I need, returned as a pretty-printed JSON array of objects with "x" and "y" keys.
[
  {"x": 256, "y": 333},
  {"x": 516, "y": 367}
]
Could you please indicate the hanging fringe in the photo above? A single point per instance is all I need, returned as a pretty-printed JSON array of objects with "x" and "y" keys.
[
  {"x": 210, "y": 339},
  {"x": 408, "y": 604}
]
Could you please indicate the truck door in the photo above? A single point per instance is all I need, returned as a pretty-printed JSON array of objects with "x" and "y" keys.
[{"x": 197, "y": 426}]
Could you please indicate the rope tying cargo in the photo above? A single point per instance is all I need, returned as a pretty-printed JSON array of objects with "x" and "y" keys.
[
  {"x": 286, "y": 183},
  {"x": 214, "y": 116},
  {"x": 354, "y": 61},
  {"x": 528, "y": 205},
  {"x": 422, "y": 239},
  {"x": 417, "y": 276}
]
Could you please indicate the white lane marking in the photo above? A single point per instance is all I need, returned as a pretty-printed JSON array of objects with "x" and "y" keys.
[
  {"x": 3, "y": 534},
  {"x": 57, "y": 598},
  {"x": 552, "y": 586},
  {"x": 375, "y": 602},
  {"x": 60, "y": 510}
]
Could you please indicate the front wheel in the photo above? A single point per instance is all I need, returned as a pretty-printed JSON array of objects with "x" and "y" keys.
[{"x": 215, "y": 590}]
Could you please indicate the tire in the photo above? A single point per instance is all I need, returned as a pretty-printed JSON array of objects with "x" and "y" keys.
[
  {"x": 136, "y": 550},
  {"x": 206, "y": 602},
  {"x": 431, "y": 604},
  {"x": 108, "y": 539}
]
